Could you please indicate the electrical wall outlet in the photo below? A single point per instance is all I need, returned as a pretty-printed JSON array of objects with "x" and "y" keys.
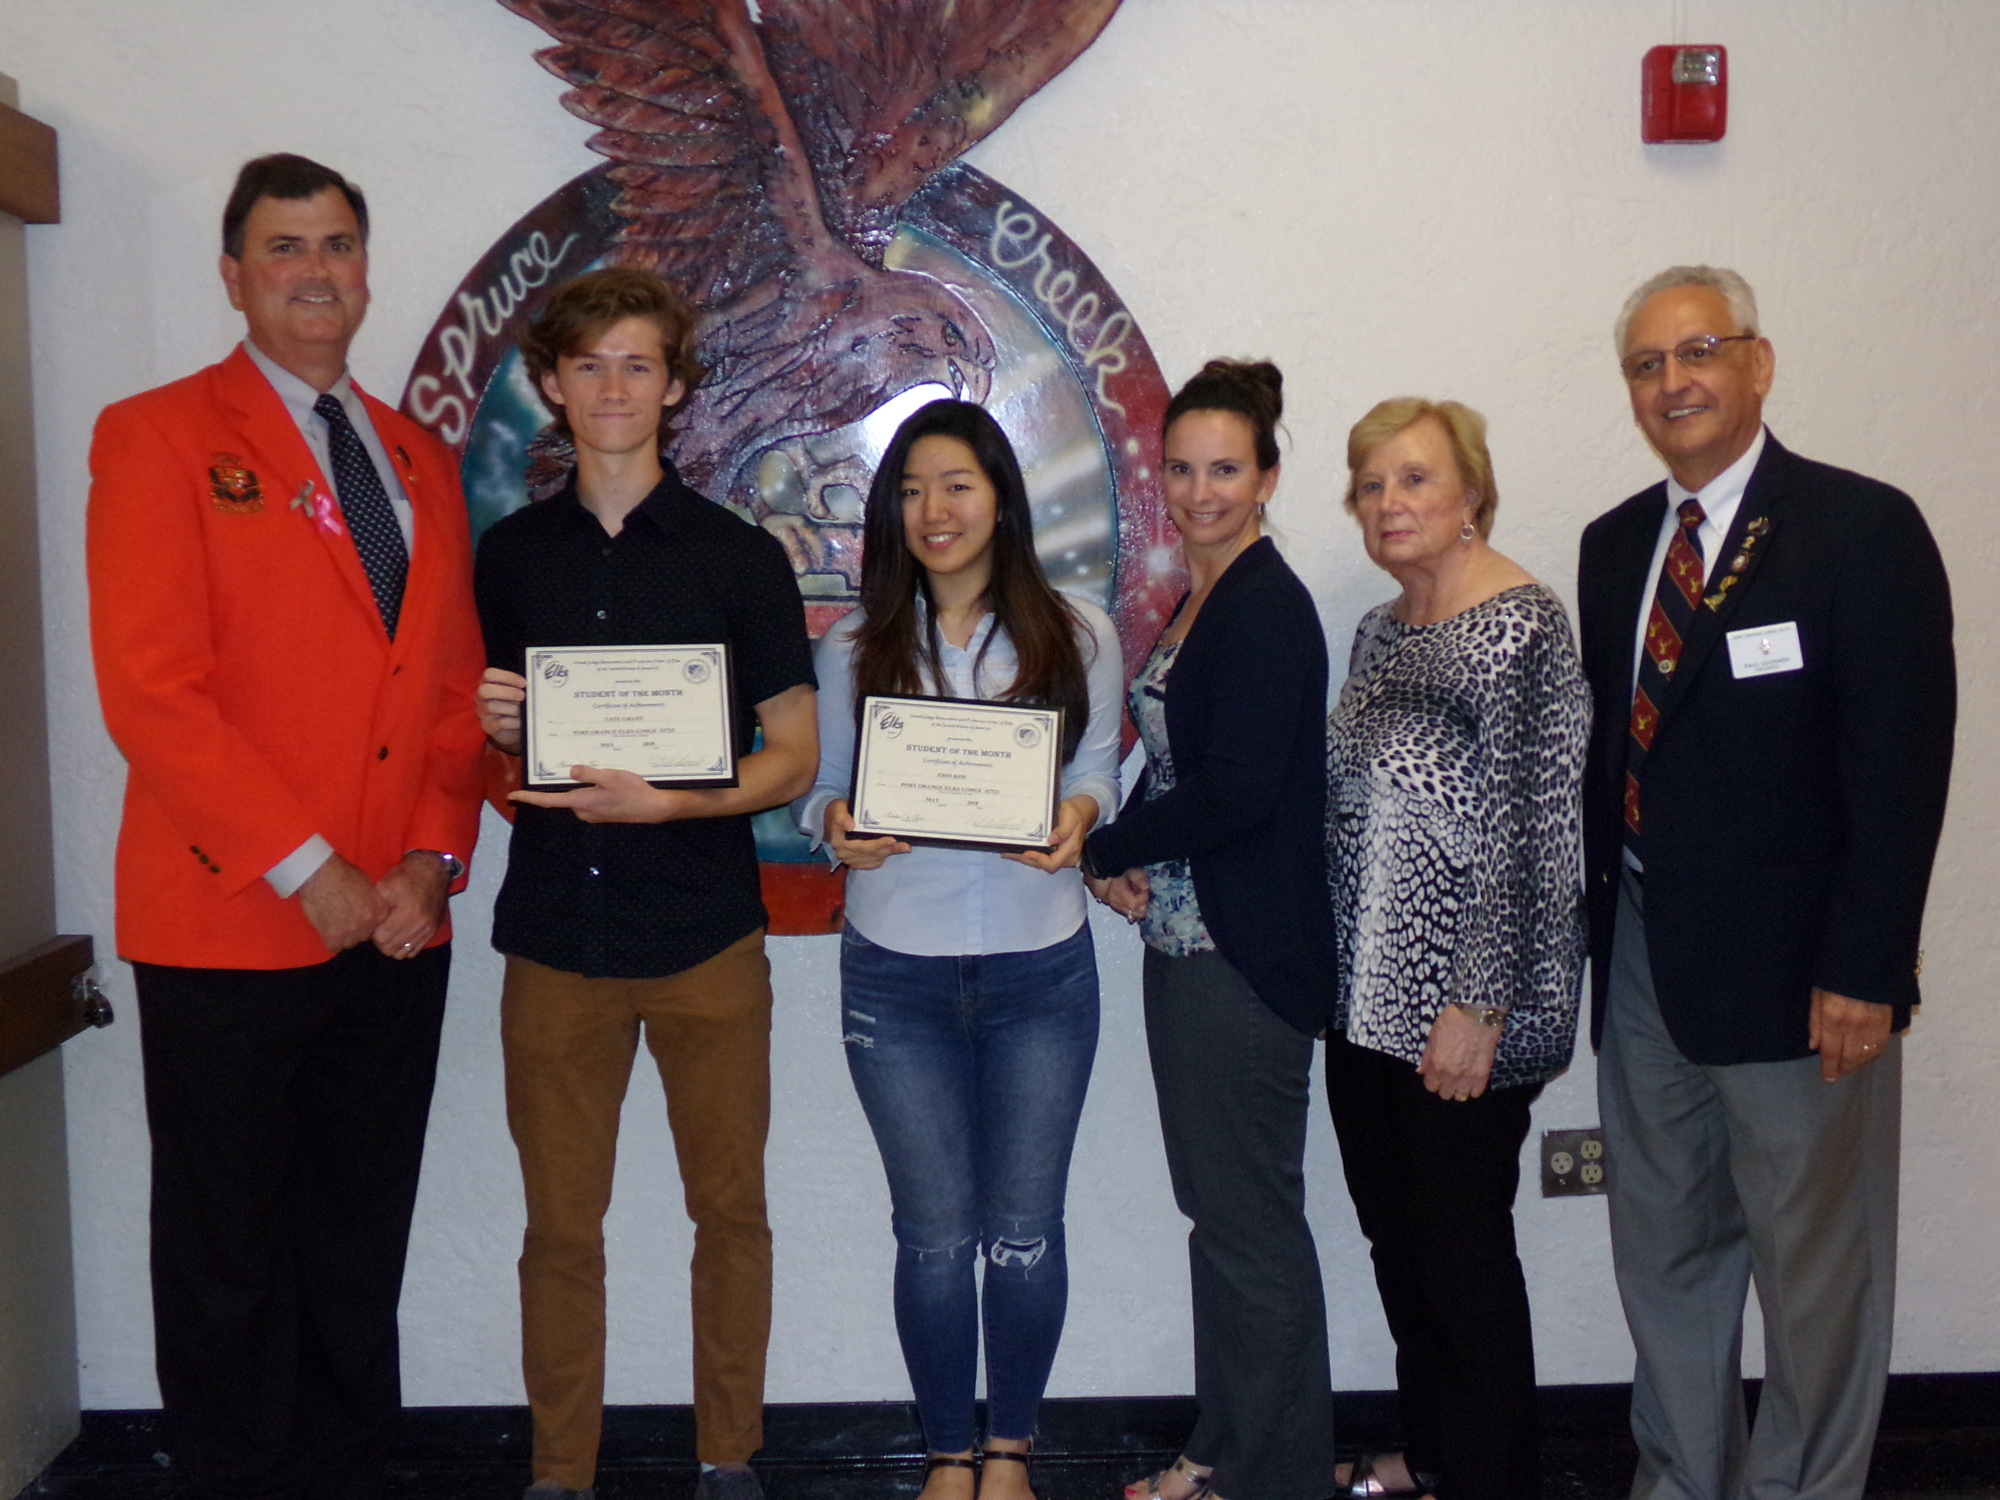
[{"x": 1573, "y": 1163}]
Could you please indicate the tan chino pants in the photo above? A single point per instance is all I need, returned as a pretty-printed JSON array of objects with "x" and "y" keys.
[{"x": 569, "y": 1044}]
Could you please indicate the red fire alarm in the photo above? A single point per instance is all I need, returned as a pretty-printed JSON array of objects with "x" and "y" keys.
[{"x": 1685, "y": 94}]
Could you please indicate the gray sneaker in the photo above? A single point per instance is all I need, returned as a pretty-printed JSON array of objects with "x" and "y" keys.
[
  {"x": 548, "y": 1489},
  {"x": 728, "y": 1484}
]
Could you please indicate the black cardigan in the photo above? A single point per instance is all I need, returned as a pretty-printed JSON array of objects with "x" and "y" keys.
[{"x": 1246, "y": 721}]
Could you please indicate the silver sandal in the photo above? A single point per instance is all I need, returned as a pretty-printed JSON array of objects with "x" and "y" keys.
[{"x": 1149, "y": 1487}]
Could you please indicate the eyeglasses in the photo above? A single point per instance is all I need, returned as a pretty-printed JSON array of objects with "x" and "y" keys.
[{"x": 1692, "y": 354}]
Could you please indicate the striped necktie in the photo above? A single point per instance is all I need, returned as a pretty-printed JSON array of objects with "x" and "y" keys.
[
  {"x": 1675, "y": 598},
  {"x": 370, "y": 517}
]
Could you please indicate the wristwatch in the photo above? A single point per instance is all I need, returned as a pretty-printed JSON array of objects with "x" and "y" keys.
[
  {"x": 1494, "y": 1016},
  {"x": 453, "y": 865}
]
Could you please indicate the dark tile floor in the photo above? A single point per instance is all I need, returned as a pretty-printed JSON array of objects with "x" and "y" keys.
[
  {"x": 1916, "y": 1469},
  {"x": 479, "y": 1454}
]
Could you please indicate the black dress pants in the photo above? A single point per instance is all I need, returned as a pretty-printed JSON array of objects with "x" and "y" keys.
[
  {"x": 287, "y": 1110},
  {"x": 1433, "y": 1184}
]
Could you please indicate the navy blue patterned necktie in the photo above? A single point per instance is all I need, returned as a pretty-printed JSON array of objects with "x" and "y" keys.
[
  {"x": 1676, "y": 597},
  {"x": 370, "y": 517}
]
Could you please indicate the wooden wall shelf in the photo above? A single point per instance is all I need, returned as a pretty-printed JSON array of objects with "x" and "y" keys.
[
  {"x": 28, "y": 186},
  {"x": 41, "y": 1005}
]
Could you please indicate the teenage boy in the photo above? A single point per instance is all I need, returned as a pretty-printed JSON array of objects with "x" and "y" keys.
[{"x": 629, "y": 908}]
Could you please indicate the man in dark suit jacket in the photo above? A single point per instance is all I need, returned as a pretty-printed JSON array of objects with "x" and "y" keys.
[{"x": 1768, "y": 640}]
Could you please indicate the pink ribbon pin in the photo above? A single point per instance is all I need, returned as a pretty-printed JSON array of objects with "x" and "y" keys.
[{"x": 320, "y": 508}]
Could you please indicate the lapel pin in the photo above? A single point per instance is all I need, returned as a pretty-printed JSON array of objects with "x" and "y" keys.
[{"x": 234, "y": 489}]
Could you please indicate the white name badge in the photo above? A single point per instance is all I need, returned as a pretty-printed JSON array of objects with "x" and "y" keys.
[{"x": 1764, "y": 649}]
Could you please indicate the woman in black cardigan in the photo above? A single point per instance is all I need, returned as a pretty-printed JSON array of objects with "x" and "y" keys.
[{"x": 1219, "y": 857}]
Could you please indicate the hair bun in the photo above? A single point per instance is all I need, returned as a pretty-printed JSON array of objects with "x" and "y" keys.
[
  {"x": 1252, "y": 388},
  {"x": 1258, "y": 375}
]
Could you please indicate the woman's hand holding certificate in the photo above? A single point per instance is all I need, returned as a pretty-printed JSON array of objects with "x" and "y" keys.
[
  {"x": 865, "y": 853},
  {"x": 1074, "y": 820}
]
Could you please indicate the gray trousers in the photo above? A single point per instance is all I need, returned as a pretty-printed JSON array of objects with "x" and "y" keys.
[
  {"x": 1234, "y": 1084},
  {"x": 1722, "y": 1174}
]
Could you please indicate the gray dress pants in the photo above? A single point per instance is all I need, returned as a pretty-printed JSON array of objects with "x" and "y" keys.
[
  {"x": 1724, "y": 1174},
  {"x": 1234, "y": 1084}
]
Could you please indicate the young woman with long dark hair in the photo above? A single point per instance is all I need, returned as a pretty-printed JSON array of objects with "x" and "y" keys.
[{"x": 968, "y": 980}]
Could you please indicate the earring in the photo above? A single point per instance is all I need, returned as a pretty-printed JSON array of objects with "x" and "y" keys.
[
  {"x": 1260, "y": 510},
  {"x": 1466, "y": 532}
]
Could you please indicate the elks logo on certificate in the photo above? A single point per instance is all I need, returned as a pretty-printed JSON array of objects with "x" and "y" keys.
[
  {"x": 957, "y": 772},
  {"x": 664, "y": 713}
]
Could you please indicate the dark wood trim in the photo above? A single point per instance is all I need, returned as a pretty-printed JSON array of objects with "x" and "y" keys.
[
  {"x": 40, "y": 1004},
  {"x": 29, "y": 189}
]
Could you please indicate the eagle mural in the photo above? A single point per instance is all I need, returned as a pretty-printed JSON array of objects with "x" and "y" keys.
[
  {"x": 761, "y": 164},
  {"x": 794, "y": 167}
]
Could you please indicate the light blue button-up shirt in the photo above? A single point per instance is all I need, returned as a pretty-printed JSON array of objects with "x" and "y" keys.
[{"x": 953, "y": 901}]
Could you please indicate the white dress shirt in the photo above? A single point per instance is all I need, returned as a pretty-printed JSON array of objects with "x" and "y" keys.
[
  {"x": 943, "y": 902},
  {"x": 296, "y": 868}
]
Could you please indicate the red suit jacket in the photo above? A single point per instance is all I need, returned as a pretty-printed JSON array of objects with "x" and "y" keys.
[{"x": 245, "y": 673}]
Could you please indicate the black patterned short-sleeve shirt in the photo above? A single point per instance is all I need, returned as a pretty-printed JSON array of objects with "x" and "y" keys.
[
  {"x": 1455, "y": 846},
  {"x": 637, "y": 900}
]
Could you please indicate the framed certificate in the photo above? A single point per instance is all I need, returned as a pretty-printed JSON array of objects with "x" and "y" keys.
[
  {"x": 958, "y": 773},
  {"x": 661, "y": 712}
]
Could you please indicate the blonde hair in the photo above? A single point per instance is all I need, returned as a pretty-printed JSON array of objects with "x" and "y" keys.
[{"x": 1464, "y": 430}]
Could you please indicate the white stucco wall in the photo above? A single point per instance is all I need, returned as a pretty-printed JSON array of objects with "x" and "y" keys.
[{"x": 1445, "y": 196}]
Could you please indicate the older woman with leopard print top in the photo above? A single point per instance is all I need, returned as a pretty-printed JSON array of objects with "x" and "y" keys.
[{"x": 1454, "y": 844}]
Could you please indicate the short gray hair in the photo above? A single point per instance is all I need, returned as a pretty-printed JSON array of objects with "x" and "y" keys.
[{"x": 1733, "y": 289}]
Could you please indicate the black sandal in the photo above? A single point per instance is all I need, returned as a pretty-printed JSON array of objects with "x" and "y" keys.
[{"x": 948, "y": 1461}]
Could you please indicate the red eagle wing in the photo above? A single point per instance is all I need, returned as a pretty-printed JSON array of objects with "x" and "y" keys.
[
  {"x": 887, "y": 92},
  {"x": 714, "y": 185}
]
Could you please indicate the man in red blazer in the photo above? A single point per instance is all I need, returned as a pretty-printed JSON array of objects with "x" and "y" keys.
[{"x": 286, "y": 650}]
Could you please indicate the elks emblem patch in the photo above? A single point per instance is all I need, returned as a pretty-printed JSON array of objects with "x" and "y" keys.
[{"x": 233, "y": 488}]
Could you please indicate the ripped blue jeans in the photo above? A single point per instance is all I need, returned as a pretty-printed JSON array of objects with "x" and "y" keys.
[{"x": 972, "y": 1072}]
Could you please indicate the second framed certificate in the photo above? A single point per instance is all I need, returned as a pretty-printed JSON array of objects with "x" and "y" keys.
[
  {"x": 660, "y": 712},
  {"x": 963, "y": 774}
]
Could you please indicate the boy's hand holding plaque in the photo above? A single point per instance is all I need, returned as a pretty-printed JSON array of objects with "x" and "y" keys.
[
  {"x": 663, "y": 713},
  {"x": 958, "y": 773}
]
